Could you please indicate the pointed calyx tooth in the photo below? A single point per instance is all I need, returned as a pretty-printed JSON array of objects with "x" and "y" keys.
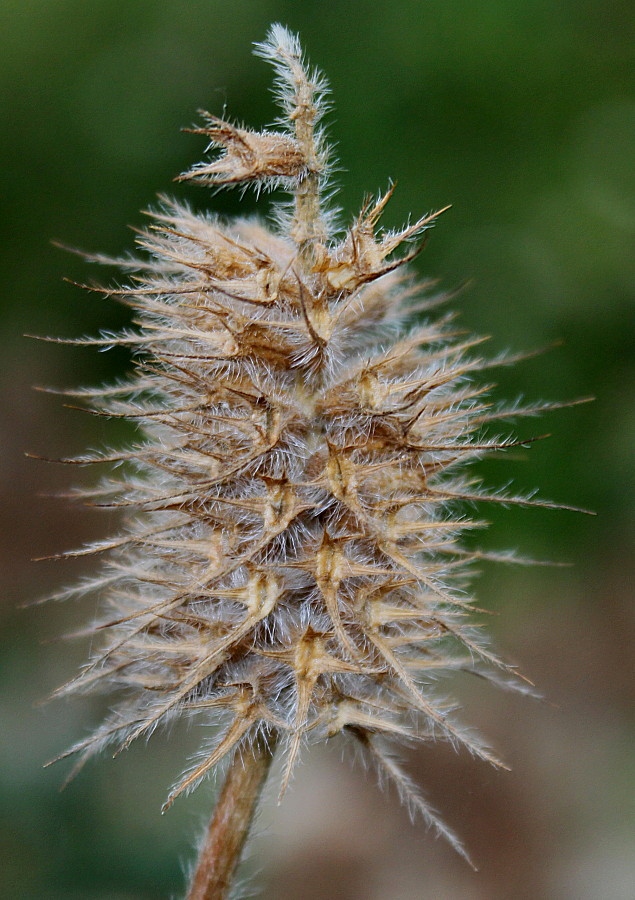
[
  {"x": 362, "y": 256},
  {"x": 248, "y": 155}
]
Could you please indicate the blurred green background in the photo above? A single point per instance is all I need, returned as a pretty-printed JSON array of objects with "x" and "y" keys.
[{"x": 521, "y": 113}]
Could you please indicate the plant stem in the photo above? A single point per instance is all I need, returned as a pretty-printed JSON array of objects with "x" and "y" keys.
[
  {"x": 231, "y": 821},
  {"x": 307, "y": 227}
]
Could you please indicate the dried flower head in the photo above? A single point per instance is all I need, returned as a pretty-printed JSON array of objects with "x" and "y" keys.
[{"x": 291, "y": 567}]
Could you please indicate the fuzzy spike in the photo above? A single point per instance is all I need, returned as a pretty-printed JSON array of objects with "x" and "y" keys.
[{"x": 294, "y": 566}]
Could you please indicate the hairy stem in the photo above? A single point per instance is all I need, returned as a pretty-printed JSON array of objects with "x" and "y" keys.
[
  {"x": 231, "y": 821},
  {"x": 307, "y": 227},
  {"x": 307, "y": 223}
]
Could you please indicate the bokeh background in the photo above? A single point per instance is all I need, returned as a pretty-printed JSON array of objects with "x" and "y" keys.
[{"x": 521, "y": 113}]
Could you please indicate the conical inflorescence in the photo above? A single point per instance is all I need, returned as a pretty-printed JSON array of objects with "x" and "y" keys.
[{"x": 291, "y": 566}]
